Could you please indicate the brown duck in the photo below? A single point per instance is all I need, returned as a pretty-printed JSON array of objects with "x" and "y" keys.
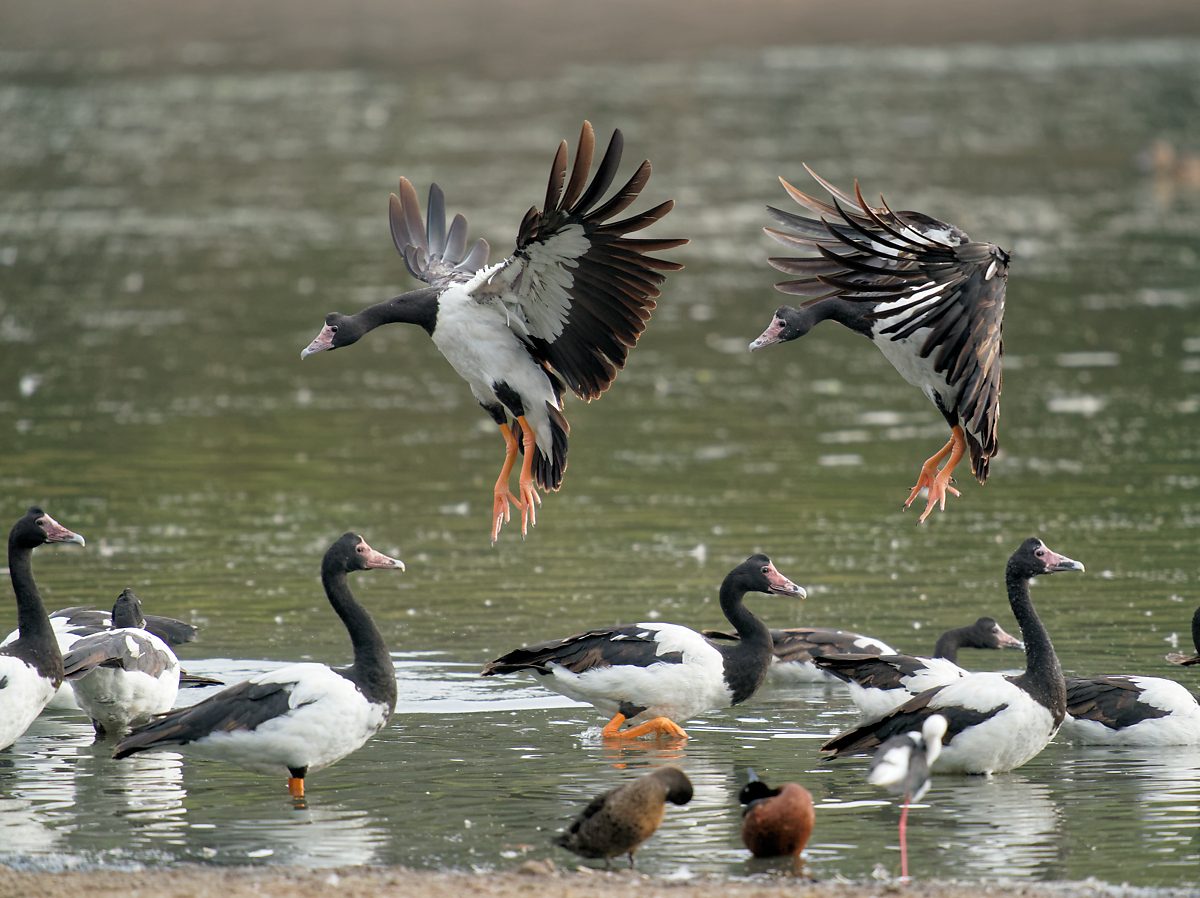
[
  {"x": 775, "y": 822},
  {"x": 620, "y": 820}
]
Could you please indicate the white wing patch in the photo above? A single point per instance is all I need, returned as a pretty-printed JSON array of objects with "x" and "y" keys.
[{"x": 537, "y": 295}]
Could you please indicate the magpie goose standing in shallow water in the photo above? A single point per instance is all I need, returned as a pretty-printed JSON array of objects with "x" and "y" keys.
[
  {"x": 901, "y": 765},
  {"x": 562, "y": 311},
  {"x": 879, "y": 683},
  {"x": 31, "y": 666},
  {"x": 928, "y": 296},
  {"x": 72, "y": 624},
  {"x": 995, "y": 722},
  {"x": 303, "y": 717},
  {"x": 123, "y": 675},
  {"x": 654, "y": 673}
]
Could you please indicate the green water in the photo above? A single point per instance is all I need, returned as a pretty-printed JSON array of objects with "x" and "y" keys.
[{"x": 170, "y": 240}]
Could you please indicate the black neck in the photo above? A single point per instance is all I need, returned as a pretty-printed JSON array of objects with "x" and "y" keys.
[
  {"x": 415, "y": 307},
  {"x": 1196, "y": 631},
  {"x": 1043, "y": 677},
  {"x": 948, "y": 645},
  {"x": 846, "y": 313},
  {"x": 747, "y": 660},
  {"x": 372, "y": 670},
  {"x": 36, "y": 643}
]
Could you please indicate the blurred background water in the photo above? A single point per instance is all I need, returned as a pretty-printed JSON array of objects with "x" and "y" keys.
[{"x": 177, "y": 218}]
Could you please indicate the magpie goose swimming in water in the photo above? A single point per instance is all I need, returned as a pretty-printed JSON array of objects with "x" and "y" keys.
[
  {"x": 901, "y": 765},
  {"x": 122, "y": 675},
  {"x": 921, "y": 290},
  {"x": 656, "y": 673},
  {"x": 72, "y": 624},
  {"x": 31, "y": 666},
  {"x": 879, "y": 683},
  {"x": 995, "y": 722},
  {"x": 562, "y": 311},
  {"x": 1188, "y": 660},
  {"x": 303, "y": 717}
]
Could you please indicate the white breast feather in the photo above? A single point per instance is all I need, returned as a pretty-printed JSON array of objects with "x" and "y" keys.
[{"x": 22, "y": 699}]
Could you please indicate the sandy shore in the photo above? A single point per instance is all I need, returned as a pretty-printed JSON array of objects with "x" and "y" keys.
[{"x": 534, "y": 879}]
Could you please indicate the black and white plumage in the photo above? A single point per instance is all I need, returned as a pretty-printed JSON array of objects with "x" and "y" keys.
[
  {"x": 1131, "y": 710},
  {"x": 562, "y": 311},
  {"x": 303, "y": 717},
  {"x": 123, "y": 675},
  {"x": 620, "y": 820},
  {"x": 655, "y": 673},
  {"x": 795, "y": 648},
  {"x": 928, "y": 296},
  {"x": 902, "y": 766},
  {"x": 31, "y": 666},
  {"x": 996, "y": 722},
  {"x": 1183, "y": 659},
  {"x": 72, "y": 624},
  {"x": 880, "y": 683}
]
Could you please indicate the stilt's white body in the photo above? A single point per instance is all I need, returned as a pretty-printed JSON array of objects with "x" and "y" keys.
[
  {"x": 676, "y": 691},
  {"x": 116, "y": 697},
  {"x": 476, "y": 337},
  {"x": 22, "y": 699},
  {"x": 1010, "y": 738},
  {"x": 1181, "y": 726},
  {"x": 874, "y": 702},
  {"x": 328, "y": 718}
]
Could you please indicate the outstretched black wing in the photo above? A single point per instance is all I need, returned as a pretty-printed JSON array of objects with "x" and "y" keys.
[
  {"x": 579, "y": 291},
  {"x": 433, "y": 253},
  {"x": 922, "y": 273}
]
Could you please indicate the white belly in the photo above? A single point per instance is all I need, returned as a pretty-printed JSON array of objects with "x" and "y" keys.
[
  {"x": 905, "y": 355},
  {"x": 1004, "y": 742},
  {"x": 118, "y": 698},
  {"x": 22, "y": 699}
]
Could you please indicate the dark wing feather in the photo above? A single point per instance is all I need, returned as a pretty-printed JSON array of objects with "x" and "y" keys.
[
  {"x": 1113, "y": 701},
  {"x": 170, "y": 630},
  {"x": 432, "y": 253},
  {"x": 112, "y": 649},
  {"x": 871, "y": 671},
  {"x": 936, "y": 276},
  {"x": 608, "y": 647},
  {"x": 579, "y": 291},
  {"x": 907, "y": 718},
  {"x": 244, "y": 706}
]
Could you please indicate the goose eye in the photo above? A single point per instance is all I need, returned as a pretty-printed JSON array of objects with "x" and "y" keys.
[
  {"x": 766, "y": 569},
  {"x": 1040, "y": 552},
  {"x": 333, "y": 328}
]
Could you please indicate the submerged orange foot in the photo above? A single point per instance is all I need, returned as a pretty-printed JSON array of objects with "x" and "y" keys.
[
  {"x": 296, "y": 786},
  {"x": 658, "y": 726}
]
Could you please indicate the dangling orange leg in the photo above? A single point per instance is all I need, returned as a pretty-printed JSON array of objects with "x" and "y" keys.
[
  {"x": 928, "y": 470},
  {"x": 528, "y": 498},
  {"x": 940, "y": 484},
  {"x": 296, "y": 786},
  {"x": 660, "y": 726},
  {"x": 502, "y": 496}
]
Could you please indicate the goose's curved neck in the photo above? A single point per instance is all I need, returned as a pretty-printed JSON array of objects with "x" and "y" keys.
[
  {"x": 1043, "y": 677},
  {"x": 1196, "y": 631},
  {"x": 948, "y": 645},
  {"x": 372, "y": 669},
  {"x": 750, "y": 630},
  {"x": 415, "y": 307},
  {"x": 747, "y": 660},
  {"x": 39, "y": 645},
  {"x": 846, "y": 313}
]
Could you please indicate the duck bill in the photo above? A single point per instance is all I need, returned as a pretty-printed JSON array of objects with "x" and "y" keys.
[
  {"x": 773, "y": 334},
  {"x": 782, "y": 586},
  {"x": 378, "y": 561},
  {"x": 323, "y": 341},
  {"x": 57, "y": 533},
  {"x": 1056, "y": 564}
]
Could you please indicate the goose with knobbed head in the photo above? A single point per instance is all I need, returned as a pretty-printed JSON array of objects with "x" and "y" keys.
[
  {"x": 655, "y": 674},
  {"x": 31, "y": 667},
  {"x": 922, "y": 291},
  {"x": 300, "y": 718},
  {"x": 880, "y": 683},
  {"x": 620, "y": 820},
  {"x": 122, "y": 675},
  {"x": 995, "y": 722},
  {"x": 561, "y": 312}
]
